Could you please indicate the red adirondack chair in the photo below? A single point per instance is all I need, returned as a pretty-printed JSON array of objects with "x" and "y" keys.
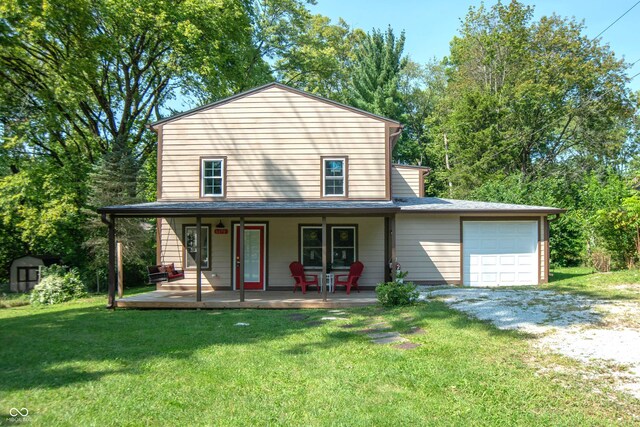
[
  {"x": 355, "y": 271},
  {"x": 302, "y": 280}
]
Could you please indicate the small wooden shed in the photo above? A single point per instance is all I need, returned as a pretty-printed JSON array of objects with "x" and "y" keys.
[{"x": 24, "y": 273}]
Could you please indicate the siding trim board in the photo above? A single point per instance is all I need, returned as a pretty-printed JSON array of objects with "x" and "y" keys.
[{"x": 158, "y": 132}]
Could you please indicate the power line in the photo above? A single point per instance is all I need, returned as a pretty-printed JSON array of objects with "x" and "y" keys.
[
  {"x": 619, "y": 18},
  {"x": 551, "y": 123}
]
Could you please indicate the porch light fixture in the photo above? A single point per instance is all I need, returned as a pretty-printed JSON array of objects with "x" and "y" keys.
[{"x": 220, "y": 225}]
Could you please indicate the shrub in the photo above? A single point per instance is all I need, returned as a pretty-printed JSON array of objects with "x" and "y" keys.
[
  {"x": 391, "y": 294},
  {"x": 57, "y": 285}
]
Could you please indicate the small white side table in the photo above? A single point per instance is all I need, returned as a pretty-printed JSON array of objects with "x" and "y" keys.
[{"x": 329, "y": 282}]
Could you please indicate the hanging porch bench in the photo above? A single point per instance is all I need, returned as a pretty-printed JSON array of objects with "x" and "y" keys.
[{"x": 164, "y": 273}]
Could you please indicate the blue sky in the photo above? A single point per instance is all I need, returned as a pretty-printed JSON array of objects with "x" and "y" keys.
[{"x": 431, "y": 24}]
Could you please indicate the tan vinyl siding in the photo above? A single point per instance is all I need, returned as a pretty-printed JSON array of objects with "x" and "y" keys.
[
  {"x": 428, "y": 247},
  {"x": 273, "y": 141},
  {"x": 405, "y": 182},
  {"x": 282, "y": 249}
]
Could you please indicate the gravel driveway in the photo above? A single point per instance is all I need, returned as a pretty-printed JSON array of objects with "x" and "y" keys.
[{"x": 604, "y": 334}]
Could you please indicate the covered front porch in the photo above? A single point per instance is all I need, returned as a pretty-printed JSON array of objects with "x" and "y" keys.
[
  {"x": 252, "y": 299},
  {"x": 247, "y": 266}
]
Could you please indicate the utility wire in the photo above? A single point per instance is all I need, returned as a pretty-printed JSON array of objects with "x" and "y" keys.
[
  {"x": 619, "y": 18},
  {"x": 551, "y": 123}
]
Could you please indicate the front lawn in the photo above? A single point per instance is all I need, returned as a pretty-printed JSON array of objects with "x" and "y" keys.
[
  {"x": 79, "y": 364},
  {"x": 623, "y": 284}
]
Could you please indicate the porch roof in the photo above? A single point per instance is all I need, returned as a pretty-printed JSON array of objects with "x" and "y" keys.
[
  {"x": 426, "y": 205},
  {"x": 437, "y": 205},
  {"x": 262, "y": 208}
]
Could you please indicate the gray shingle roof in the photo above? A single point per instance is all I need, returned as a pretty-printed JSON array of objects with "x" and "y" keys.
[
  {"x": 438, "y": 205},
  {"x": 254, "y": 208},
  {"x": 425, "y": 205}
]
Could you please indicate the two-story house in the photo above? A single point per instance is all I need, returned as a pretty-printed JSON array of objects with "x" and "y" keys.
[{"x": 302, "y": 178}]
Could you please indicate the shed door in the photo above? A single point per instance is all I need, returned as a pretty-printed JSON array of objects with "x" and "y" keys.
[{"x": 500, "y": 253}]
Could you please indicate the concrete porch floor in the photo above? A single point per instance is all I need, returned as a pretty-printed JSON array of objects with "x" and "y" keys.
[{"x": 253, "y": 299}]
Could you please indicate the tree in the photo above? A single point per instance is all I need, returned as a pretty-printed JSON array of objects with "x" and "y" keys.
[
  {"x": 91, "y": 74},
  {"x": 527, "y": 95},
  {"x": 322, "y": 58},
  {"x": 376, "y": 74}
]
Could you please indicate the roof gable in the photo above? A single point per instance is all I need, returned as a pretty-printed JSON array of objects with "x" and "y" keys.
[{"x": 280, "y": 86}]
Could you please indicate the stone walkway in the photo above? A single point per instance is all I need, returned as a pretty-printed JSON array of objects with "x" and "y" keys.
[{"x": 377, "y": 330}]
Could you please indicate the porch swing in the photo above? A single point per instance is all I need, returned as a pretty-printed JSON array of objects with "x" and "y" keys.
[{"x": 165, "y": 272}]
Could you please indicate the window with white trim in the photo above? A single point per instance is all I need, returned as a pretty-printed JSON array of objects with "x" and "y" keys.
[
  {"x": 191, "y": 246},
  {"x": 212, "y": 177},
  {"x": 334, "y": 177}
]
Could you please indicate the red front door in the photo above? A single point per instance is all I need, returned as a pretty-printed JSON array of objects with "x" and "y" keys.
[{"x": 254, "y": 256}]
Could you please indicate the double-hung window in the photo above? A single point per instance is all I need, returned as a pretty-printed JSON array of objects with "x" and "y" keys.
[
  {"x": 334, "y": 177},
  {"x": 212, "y": 176}
]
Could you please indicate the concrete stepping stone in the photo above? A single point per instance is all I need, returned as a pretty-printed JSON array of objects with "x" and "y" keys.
[
  {"x": 331, "y": 318},
  {"x": 380, "y": 324},
  {"x": 372, "y": 330},
  {"x": 298, "y": 317},
  {"x": 390, "y": 340},
  {"x": 348, "y": 326},
  {"x": 407, "y": 346},
  {"x": 383, "y": 335},
  {"x": 415, "y": 331}
]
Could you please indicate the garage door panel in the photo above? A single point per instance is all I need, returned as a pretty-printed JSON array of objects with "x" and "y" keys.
[
  {"x": 500, "y": 253},
  {"x": 507, "y": 260},
  {"x": 507, "y": 277}
]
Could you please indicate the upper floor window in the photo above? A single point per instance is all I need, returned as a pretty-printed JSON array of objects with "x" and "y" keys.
[
  {"x": 334, "y": 177},
  {"x": 212, "y": 175}
]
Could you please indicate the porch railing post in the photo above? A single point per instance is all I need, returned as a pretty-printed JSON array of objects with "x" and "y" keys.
[
  {"x": 324, "y": 258},
  {"x": 199, "y": 259},
  {"x": 240, "y": 258},
  {"x": 111, "y": 300},
  {"x": 120, "y": 270}
]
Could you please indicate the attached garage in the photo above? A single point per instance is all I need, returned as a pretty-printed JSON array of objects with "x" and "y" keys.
[{"x": 500, "y": 253}]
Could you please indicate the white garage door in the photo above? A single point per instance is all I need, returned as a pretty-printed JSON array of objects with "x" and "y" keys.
[{"x": 500, "y": 253}]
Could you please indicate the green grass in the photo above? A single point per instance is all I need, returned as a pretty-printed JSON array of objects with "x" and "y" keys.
[
  {"x": 622, "y": 285},
  {"x": 79, "y": 364}
]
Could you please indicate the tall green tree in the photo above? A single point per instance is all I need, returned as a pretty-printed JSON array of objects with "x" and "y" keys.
[
  {"x": 525, "y": 95},
  {"x": 322, "y": 58},
  {"x": 376, "y": 74},
  {"x": 91, "y": 74}
]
